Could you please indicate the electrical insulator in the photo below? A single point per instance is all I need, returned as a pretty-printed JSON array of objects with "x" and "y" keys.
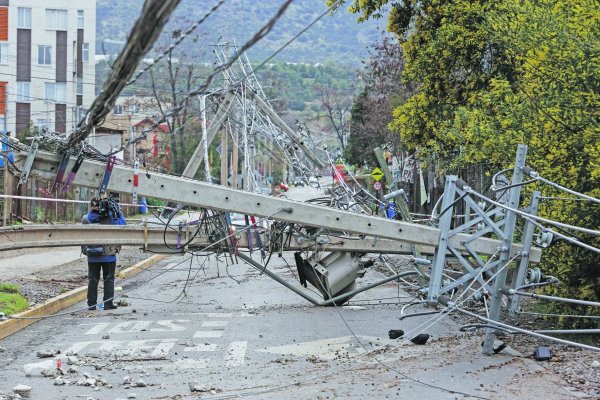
[
  {"x": 534, "y": 275},
  {"x": 544, "y": 239}
]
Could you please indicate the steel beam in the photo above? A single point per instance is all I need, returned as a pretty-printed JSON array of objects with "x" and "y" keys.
[
  {"x": 518, "y": 278},
  {"x": 28, "y": 236},
  {"x": 501, "y": 271}
]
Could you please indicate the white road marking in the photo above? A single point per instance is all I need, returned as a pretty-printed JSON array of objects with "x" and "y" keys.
[
  {"x": 96, "y": 328},
  {"x": 215, "y": 324},
  {"x": 130, "y": 326},
  {"x": 168, "y": 325},
  {"x": 156, "y": 347},
  {"x": 202, "y": 347},
  {"x": 208, "y": 334},
  {"x": 161, "y": 349},
  {"x": 209, "y": 315},
  {"x": 236, "y": 354}
]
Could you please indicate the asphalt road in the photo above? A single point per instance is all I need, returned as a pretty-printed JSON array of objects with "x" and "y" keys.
[{"x": 203, "y": 328}]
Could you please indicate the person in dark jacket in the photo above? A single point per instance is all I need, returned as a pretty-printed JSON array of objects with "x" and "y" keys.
[{"x": 102, "y": 257}]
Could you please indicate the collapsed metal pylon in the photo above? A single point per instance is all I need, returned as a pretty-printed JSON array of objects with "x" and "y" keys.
[{"x": 490, "y": 272}]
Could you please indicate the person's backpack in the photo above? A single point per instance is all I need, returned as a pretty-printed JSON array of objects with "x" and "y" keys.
[
  {"x": 99, "y": 250},
  {"x": 93, "y": 251}
]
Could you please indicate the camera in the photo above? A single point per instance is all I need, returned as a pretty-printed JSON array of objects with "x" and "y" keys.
[{"x": 109, "y": 206}]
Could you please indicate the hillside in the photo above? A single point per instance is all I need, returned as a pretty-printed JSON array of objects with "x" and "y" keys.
[{"x": 335, "y": 38}]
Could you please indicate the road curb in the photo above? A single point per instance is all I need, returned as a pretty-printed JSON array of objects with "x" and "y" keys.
[{"x": 67, "y": 299}]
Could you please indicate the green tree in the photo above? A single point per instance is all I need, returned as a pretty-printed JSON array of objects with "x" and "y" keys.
[{"x": 492, "y": 74}]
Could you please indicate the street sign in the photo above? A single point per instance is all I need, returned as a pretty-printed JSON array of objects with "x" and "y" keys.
[
  {"x": 377, "y": 185},
  {"x": 377, "y": 174}
]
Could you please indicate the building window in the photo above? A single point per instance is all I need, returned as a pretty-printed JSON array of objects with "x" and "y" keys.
[
  {"x": 80, "y": 86},
  {"x": 3, "y": 53},
  {"x": 24, "y": 18},
  {"x": 85, "y": 54},
  {"x": 2, "y": 123},
  {"x": 118, "y": 109},
  {"x": 56, "y": 92},
  {"x": 133, "y": 109},
  {"x": 45, "y": 55},
  {"x": 23, "y": 91},
  {"x": 56, "y": 20},
  {"x": 79, "y": 19}
]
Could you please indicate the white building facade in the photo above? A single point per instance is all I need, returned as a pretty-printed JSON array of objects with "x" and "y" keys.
[{"x": 47, "y": 69}]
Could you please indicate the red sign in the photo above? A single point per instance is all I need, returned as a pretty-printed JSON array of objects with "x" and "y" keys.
[
  {"x": 338, "y": 173},
  {"x": 376, "y": 185}
]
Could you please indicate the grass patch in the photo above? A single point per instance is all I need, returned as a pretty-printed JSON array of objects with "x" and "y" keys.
[
  {"x": 8, "y": 288},
  {"x": 11, "y": 301}
]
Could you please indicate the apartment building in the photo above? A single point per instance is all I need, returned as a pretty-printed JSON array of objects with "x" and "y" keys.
[{"x": 47, "y": 70}]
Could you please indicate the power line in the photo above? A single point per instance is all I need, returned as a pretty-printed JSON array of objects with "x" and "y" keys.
[
  {"x": 180, "y": 39},
  {"x": 143, "y": 35}
]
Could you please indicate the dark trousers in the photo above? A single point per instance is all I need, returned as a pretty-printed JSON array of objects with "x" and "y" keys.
[{"x": 108, "y": 276}]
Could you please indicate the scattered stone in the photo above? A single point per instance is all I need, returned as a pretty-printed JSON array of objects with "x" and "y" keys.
[
  {"x": 72, "y": 370},
  {"x": 134, "y": 311},
  {"x": 596, "y": 364},
  {"x": 190, "y": 343},
  {"x": 131, "y": 396},
  {"x": 81, "y": 382},
  {"x": 127, "y": 380},
  {"x": 72, "y": 360},
  {"x": 23, "y": 391},
  {"x": 59, "y": 382},
  {"x": 90, "y": 382},
  {"x": 98, "y": 367},
  {"x": 106, "y": 337},
  {"x": 199, "y": 387},
  {"x": 2, "y": 349},
  {"x": 69, "y": 353},
  {"x": 51, "y": 372},
  {"x": 87, "y": 375},
  {"x": 141, "y": 383},
  {"x": 47, "y": 353}
]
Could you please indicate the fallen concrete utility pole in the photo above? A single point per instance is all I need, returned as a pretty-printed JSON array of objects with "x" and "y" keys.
[{"x": 206, "y": 195}]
